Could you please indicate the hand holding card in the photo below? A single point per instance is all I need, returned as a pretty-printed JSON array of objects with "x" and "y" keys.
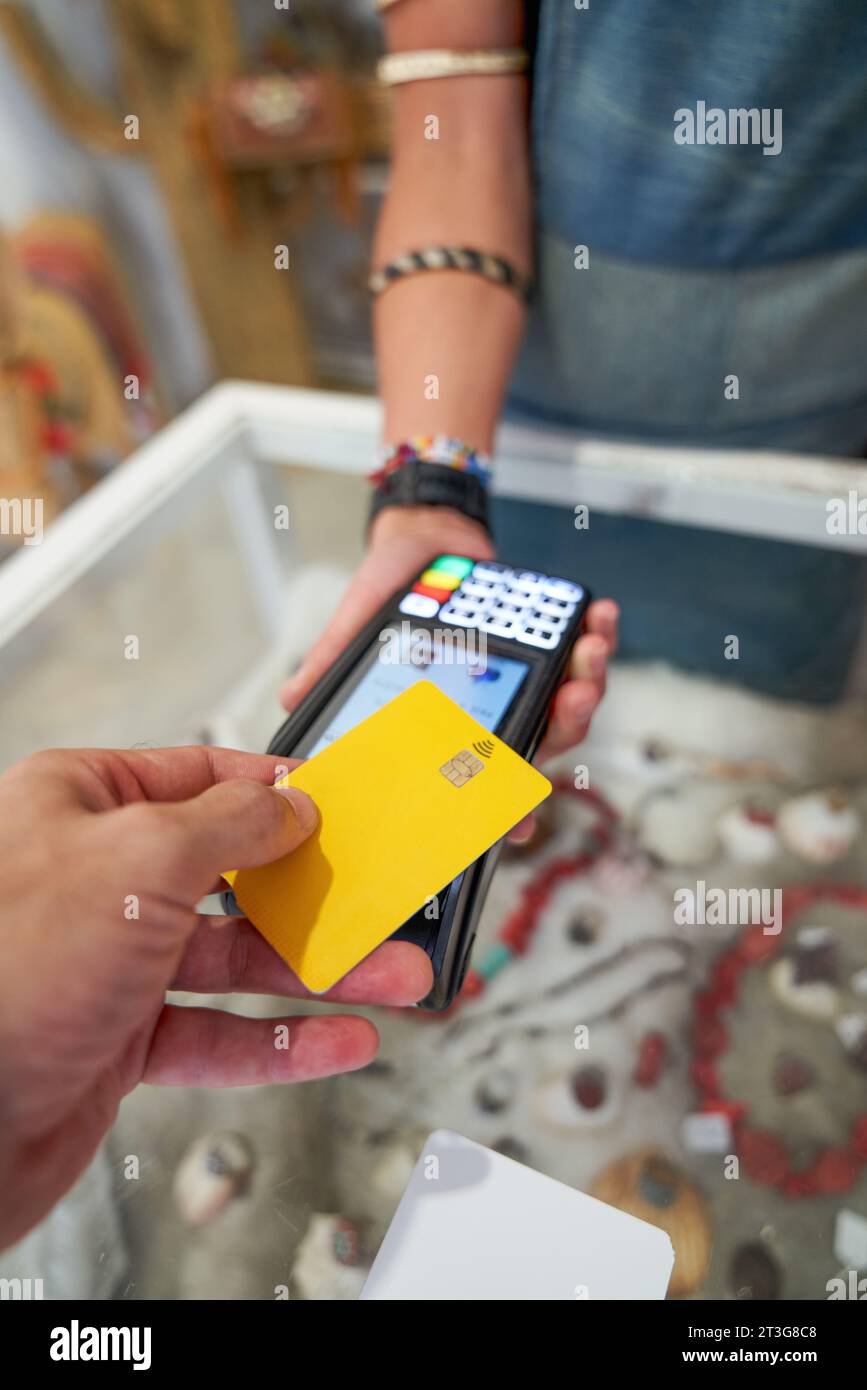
[{"x": 408, "y": 800}]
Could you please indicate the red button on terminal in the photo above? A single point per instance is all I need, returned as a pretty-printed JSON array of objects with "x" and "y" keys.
[{"x": 441, "y": 595}]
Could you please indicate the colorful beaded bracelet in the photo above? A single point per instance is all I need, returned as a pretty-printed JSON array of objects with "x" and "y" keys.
[{"x": 432, "y": 448}]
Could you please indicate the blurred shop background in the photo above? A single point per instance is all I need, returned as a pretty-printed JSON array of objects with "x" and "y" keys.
[
  {"x": 143, "y": 252},
  {"x": 144, "y": 247}
]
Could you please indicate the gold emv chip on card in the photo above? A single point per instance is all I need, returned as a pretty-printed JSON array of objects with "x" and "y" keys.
[{"x": 459, "y": 769}]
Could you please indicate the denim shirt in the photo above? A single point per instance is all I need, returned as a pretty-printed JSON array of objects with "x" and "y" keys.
[{"x": 705, "y": 260}]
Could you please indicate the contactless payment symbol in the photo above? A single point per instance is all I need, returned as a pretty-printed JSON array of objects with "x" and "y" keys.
[
  {"x": 459, "y": 769},
  {"x": 484, "y": 747}
]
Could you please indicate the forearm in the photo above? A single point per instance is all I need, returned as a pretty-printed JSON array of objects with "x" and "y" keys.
[
  {"x": 470, "y": 187},
  {"x": 446, "y": 341}
]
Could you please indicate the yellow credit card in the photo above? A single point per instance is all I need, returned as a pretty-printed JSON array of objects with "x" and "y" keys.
[{"x": 408, "y": 799}]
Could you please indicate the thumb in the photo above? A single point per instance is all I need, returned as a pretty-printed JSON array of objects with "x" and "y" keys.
[{"x": 234, "y": 825}]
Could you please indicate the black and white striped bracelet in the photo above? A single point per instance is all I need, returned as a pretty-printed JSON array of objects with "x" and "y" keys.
[{"x": 494, "y": 268}]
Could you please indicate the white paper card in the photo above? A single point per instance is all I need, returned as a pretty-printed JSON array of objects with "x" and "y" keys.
[{"x": 473, "y": 1224}]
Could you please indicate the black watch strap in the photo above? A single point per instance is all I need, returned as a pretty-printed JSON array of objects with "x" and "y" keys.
[{"x": 420, "y": 484}]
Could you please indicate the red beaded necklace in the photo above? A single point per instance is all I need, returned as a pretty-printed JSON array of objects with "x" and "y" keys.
[
  {"x": 516, "y": 933},
  {"x": 763, "y": 1154}
]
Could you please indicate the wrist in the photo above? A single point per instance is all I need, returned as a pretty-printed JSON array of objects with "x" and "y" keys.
[
  {"x": 409, "y": 480},
  {"x": 446, "y": 528}
]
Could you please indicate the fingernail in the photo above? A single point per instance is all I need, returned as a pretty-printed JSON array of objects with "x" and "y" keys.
[{"x": 306, "y": 810}]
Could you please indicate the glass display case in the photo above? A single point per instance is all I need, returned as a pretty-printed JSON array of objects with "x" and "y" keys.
[{"x": 167, "y": 606}]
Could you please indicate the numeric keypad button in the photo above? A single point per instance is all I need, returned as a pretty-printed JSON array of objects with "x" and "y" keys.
[
  {"x": 419, "y": 605},
  {"x": 520, "y": 595},
  {"x": 555, "y": 607},
  {"x": 536, "y": 635},
  {"x": 463, "y": 614},
  {"x": 489, "y": 569},
  {"x": 562, "y": 589},
  {"x": 545, "y": 620},
  {"x": 529, "y": 579},
  {"x": 502, "y": 625},
  {"x": 481, "y": 588}
]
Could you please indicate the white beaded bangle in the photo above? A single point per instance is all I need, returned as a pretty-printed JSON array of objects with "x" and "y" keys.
[{"x": 448, "y": 62}]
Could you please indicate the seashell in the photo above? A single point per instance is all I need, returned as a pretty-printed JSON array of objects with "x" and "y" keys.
[
  {"x": 815, "y": 999},
  {"x": 214, "y": 1170},
  {"x": 859, "y": 983},
  {"x": 580, "y": 1099},
  {"x": 754, "y": 1274},
  {"x": 850, "y": 1239},
  {"x": 748, "y": 834},
  {"x": 589, "y": 1088},
  {"x": 651, "y": 759},
  {"x": 651, "y": 1187},
  {"x": 815, "y": 956},
  {"x": 510, "y": 1147},
  {"x": 819, "y": 827},
  {"x": 393, "y": 1172},
  {"x": 327, "y": 1262},
  {"x": 851, "y": 1029},
  {"x": 496, "y": 1091},
  {"x": 674, "y": 835},
  {"x": 583, "y": 928}
]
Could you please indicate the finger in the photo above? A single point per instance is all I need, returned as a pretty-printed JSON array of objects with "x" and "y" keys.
[
  {"x": 571, "y": 714},
  {"x": 175, "y": 774},
  {"x": 204, "y": 1047},
  {"x": 227, "y": 954},
  {"x": 577, "y": 699},
  {"x": 523, "y": 831},
  {"x": 588, "y": 660},
  {"x": 235, "y": 825},
  {"x": 603, "y": 618}
]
